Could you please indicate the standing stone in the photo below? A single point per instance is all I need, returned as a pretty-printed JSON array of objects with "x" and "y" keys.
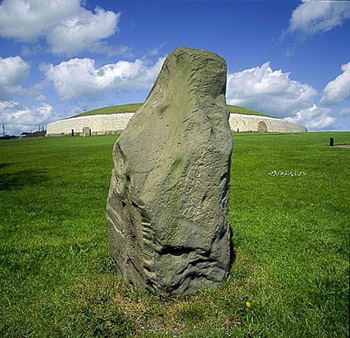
[
  {"x": 167, "y": 208},
  {"x": 262, "y": 127},
  {"x": 86, "y": 131}
]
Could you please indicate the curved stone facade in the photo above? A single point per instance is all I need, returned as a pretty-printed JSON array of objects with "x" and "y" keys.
[
  {"x": 98, "y": 124},
  {"x": 244, "y": 123},
  {"x": 115, "y": 123}
]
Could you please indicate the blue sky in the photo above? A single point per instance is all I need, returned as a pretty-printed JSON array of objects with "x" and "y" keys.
[{"x": 289, "y": 59}]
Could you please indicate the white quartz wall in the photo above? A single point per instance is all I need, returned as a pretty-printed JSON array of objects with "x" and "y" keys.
[
  {"x": 251, "y": 122},
  {"x": 113, "y": 123},
  {"x": 99, "y": 124}
]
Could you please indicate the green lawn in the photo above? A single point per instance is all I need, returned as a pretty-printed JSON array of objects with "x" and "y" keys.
[
  {"x": 131, "y": 108},
  {"x": 291, "y": 238}
]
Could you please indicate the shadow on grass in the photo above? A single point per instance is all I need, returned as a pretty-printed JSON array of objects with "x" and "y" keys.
[
  {"x": 3, "y": 165},
  {"x": 20, "y": 179}
]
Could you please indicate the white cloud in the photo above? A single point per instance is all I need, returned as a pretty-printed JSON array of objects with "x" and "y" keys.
[
  {"x": 157, "y": 50},
  {"x": 318, "y": 16},
  {"x": 27, "y": 20},
  {"x": 67, "y": 27},
  {"x": 314, "y": 118},
  {"x": 344, "y": 111},
  {"x": 78, "y": 78},
  {"x": 338, "y": 90},
  {"x": 13, "y": 71},
  {"x": 18, "y": 118},
  {"x": 40, "y": 97},
  {"x": 269, "y": 91},
  {"x": 274, "y": 93},
  {"x": 83, "y": 31},
  {"x": 76, "y": 110}
]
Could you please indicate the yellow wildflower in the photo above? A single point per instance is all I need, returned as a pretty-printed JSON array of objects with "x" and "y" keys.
[{"x": 247, "y": 304}]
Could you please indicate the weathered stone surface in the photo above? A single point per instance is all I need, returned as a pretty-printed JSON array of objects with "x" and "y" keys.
[
  {"x": 262, "y": 128},
  {"x": 167, "y": 208},
  {"x": 86, "y": 131}
]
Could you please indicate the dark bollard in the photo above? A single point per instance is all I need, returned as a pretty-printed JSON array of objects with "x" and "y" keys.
[{"x": 331, "y": 142}]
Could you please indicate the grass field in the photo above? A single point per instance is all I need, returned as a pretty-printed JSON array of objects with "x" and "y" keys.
[
  {"x": 291, "y": 237},
  {"x": 131, "y": 108}
]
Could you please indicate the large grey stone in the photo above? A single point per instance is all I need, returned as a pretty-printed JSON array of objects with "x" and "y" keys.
[
  {"x": 167, "y": 208},
  {"x": 262, "y": 128},
  {"x": 86, "y": 131}
]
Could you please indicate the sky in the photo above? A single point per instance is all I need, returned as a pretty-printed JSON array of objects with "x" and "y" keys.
[{"x": 289, "y": 59}]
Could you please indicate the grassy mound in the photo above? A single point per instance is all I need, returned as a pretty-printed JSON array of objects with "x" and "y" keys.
[
  {"x": 125, "y": 108},
  {"x": 289, "y": 211},
  {"x": 131, "y": 108},
  {"x": 244, "y": 111}
]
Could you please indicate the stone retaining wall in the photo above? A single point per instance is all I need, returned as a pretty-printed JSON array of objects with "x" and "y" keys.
[
  {"x": 242, "y": 123},
  {"x": 99, "y": 124},
  {"x": 115, "y": 123}
]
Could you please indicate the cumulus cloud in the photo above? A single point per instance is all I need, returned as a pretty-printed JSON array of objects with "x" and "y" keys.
[
  {"x": 18, "y": 118},
  {"x": 27, "y": 20},
  {"x": 65, "y": 24},
  {"x": 273, "y": 92},
  {"x": 82, "y": 31},
  {"x": 269, "y": 91},
  {"x": 13, "y": 71},
  {"x": 314, "y": 118},
  {"x": 314, "y": 16},
  {"x": 338, "y": 90},
  {"x": 78, "y": 78}
]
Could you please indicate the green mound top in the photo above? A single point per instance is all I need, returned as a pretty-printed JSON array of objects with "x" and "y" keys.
[
  {"x": 131, "y": 108},
  {"x": 244, "y": 111},
  {"x": 124, "y": 108}
]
